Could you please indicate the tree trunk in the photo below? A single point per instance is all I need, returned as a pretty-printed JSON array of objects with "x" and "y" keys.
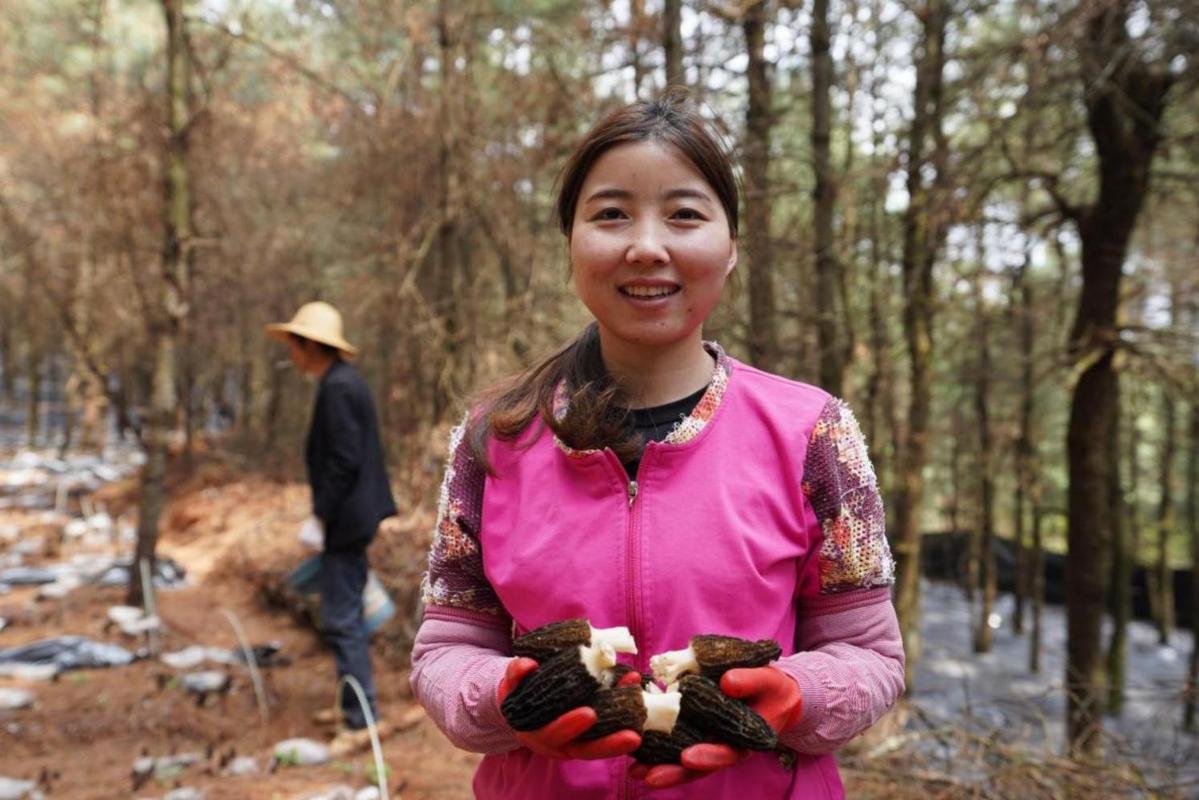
[
  {"x": 824, "y": 196},
  {"x": 1024, "y": 446},
  {"x": 1120, "y": 591},
  {"x": 171, "y": 317},
  {"x": 923, "y": 235},
  {"x": 880, "y": 385},
  {"x": 33, "y": 385},
  {"x": 1163, "y": 584},
  {"x": 1036, "y": 587},
  {"x": 959, "y": 522},
  {"x": 636, "y": 15},
  {"x": 986, "y": 522},
  {"x": 7, "y": 346},
  {"x": 763, "y": 333},
  {"x": 672, "y": 42},
  {"x": 444, "y": 388},
  {"x": 1192, "y": 492},
  {"x": 1125, "y": 99}
]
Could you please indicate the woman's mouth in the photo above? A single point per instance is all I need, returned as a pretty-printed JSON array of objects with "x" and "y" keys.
[{"x": 649, "y": 292}]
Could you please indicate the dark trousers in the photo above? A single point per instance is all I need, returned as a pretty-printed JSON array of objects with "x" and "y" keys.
[{"x": 343, "y": 578}]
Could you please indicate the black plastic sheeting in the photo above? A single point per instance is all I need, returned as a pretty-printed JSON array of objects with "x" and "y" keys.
[
  {"x": 168, "y": 573},
  {"x": 28, "y": 576},
  {"x": 68, "y": 652}
]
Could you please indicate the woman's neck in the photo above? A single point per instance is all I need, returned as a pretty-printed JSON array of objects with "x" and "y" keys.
[{"x": 654, "y": 376}]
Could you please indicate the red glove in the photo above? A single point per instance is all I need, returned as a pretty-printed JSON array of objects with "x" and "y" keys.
[
  {"x": 771, "y": 692},
  {"x": 558, "y": 739}
]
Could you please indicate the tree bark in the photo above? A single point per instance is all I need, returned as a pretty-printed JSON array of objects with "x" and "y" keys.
[
  {"x": 1024, "y": 445},
  {"x": 636, "y": 15},
  {"x": 824, "y": 196},
  {"x": 986, "y": 480},
  {"x": 1192, "y": 513},
  {"x": 1163, "y": 583},
  {"x": 1120, "y": 591},
  {"x": 923, "y": 235},
  {"x": 33, "y": 385},
  {"x": 763, "y": 333},
  {"x": 445, "y": 388},
  {"x": 169, "y": 321},
  {"x": 672, "y": 42},
  {"x": 1036, "y": 587},
  {"x": 1125, "y": 99}
]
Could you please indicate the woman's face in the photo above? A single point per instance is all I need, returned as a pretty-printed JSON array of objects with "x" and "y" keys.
[{"x": 650, "y": 248}]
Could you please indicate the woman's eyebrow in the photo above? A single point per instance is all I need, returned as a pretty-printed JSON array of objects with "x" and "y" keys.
[
  {"x": 685, "y": 193},
  {"x": 610, "y": 194},
  {"x": 681, "y": 193}
]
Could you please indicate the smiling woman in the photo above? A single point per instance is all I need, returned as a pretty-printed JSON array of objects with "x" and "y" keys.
[
  {"x": 650, "y": 259},
  {"x": 641, "y": 478}
]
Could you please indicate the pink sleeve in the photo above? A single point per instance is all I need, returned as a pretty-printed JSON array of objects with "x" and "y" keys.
[
  {"x": 458, "y": 660},
  {"x": 849, "y": 664}
]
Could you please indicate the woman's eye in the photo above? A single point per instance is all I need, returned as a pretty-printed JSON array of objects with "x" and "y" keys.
[
  {"x": 609, "y": 214},
  {"x": 687, "y": 214}
]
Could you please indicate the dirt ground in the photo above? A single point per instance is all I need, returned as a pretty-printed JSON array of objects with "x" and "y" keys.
[{"x": 87, "y": 727}]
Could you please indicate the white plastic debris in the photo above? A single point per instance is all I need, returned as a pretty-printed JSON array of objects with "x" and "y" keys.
[
  {"x": 12, "y": 699},
  {"x": 139, "y": 625},
  {"x": 66, "y": 583},
  {"x": 302, "y": 752},
  {"x": 242, "y": 765},
  {"x": 164, "y": 765},
  {"x": 29, "y": 672},
  {"x": 74, "y": 529},
  {"x": 194, "y": 656},
  {"x": 337, "y": 792},
  {"x": 13, "y": 789},
  {"x": 184, "y": 793},
  {"x": 122, "y": 614},
  {"x": 28, "y": 547},
  {"x": 368, "y": 793},
  {"x": 187, "y": 658},
  {"x": 99, "y": 521},
  {"x": 206, "y": 682},
  {"x": 106, "y": 473}
]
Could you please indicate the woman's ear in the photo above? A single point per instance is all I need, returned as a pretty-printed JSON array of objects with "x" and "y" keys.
[{"x": 732, "y": 258}]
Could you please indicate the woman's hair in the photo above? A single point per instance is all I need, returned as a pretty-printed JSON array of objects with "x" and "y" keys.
[{"x": 596, "y": 414}]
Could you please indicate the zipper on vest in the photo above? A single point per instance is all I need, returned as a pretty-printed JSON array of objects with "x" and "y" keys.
[{"x": 626, "y": 787}]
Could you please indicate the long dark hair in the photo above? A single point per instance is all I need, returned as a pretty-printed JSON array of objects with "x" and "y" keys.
[{"x": 596, "y": 414}]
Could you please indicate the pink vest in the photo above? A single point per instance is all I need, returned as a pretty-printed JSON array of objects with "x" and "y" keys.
[{"x": 715, "y": 536}]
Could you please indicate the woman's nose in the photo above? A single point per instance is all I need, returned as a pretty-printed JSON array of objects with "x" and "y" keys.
[{"x": 648, "y": 246}]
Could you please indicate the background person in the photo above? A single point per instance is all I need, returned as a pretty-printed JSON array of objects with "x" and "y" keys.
[{"x": 350, "y": 496}]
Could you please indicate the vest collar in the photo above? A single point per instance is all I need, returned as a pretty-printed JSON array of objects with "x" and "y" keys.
[{"x": 687, "y": 428}]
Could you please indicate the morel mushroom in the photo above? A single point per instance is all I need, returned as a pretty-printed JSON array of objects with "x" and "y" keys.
[
  {"x": 724, "y": 718},
  {"x": 616, "y": 709},
  {"x": 567, "y": 680},
  {"x": 541, "y": 644},
  {"x": 620, "y": 670},
  {"x": 666, "y": 748},
  {"x": 712, "y": 655}
]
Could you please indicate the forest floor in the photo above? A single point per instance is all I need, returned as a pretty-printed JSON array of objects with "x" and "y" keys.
[{"x": 235, "y": 535}]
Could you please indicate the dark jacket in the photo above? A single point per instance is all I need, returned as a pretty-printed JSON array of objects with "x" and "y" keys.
[{"x": 350, "y": 492}]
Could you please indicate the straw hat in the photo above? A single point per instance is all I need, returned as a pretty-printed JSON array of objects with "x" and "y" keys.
[{"x": 317, "y": 321}]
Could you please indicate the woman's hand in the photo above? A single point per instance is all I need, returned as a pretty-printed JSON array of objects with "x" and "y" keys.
[
  {"x": 559, "y": 739},
  {"x": 771, "y": 692}
]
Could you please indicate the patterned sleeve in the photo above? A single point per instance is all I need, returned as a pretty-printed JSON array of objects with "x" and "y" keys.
[
  {"x": 455, "y": 577},
  {"x": 840, "y": 485}
]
